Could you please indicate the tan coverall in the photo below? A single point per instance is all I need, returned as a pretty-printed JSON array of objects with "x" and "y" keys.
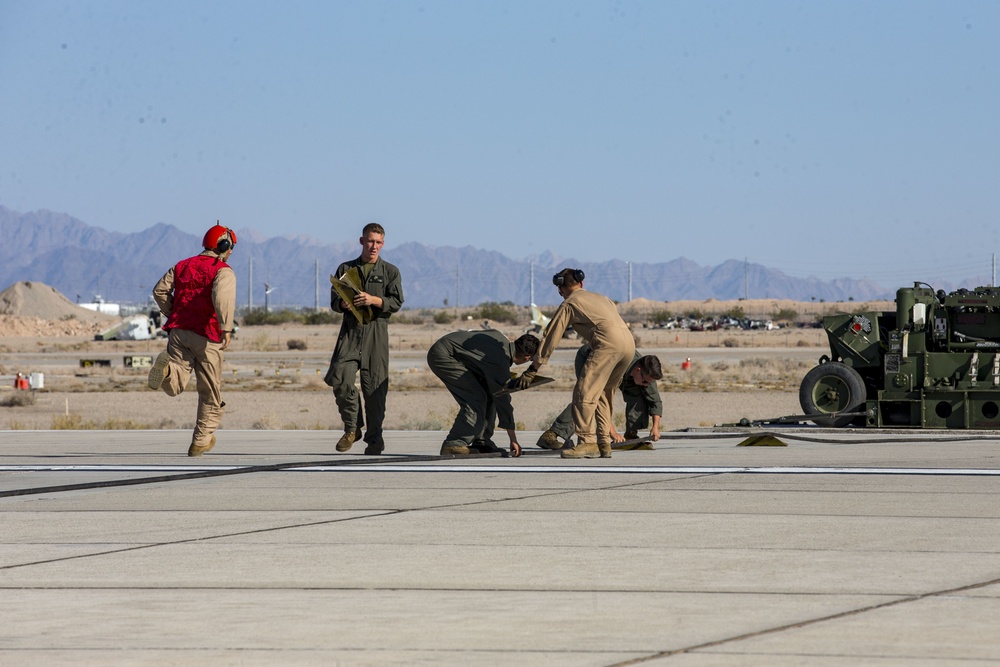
[
  {"x": 190, "y": 351},
  {"x": 595, "y": 318}
]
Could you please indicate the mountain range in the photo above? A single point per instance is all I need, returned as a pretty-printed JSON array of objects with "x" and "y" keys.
[{"x": 82, "y": 261}]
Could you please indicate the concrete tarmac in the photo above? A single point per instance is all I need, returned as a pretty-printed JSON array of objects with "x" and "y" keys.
[{"x": 842, "y": 548}]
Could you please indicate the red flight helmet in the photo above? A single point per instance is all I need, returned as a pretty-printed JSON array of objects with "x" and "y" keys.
[{"x": 219, "y": 238}]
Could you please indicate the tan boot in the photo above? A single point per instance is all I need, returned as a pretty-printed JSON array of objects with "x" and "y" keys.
[
  {"x": 348, "y": 439},
  {"x": 196, "y": 450},
  {"x": 605, "y": 449},
  {"x": 583, "y": 450},
  {"x": 159, "y": 372},
  {"x": 454, "y": 450},
  {"x": 549, "y": 440}
]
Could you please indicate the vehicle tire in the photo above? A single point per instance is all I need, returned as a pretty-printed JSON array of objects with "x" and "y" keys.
[{"x": 831, "y": 388}]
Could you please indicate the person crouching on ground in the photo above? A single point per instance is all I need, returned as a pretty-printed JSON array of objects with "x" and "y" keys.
[
  {"x": 643, "y": 406},
  {"x": 474, "y": 365},
  {"x": 198, "y": 298},
  {"x": 595, "y": 318}
]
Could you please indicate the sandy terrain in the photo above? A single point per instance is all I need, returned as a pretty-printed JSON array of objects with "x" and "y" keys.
[
  {"x": 273, "y": 374},
  {"x": 269, "y": 386},
  {"x": 431, "y": 409}
]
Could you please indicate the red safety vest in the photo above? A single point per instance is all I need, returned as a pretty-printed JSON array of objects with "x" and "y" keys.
[{"x": 193, "y": 308}]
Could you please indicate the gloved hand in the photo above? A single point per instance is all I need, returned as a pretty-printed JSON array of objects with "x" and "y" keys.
[{"x": 526, "y": 378}]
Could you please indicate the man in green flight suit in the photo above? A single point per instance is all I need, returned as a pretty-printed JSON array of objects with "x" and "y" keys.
[
  {"x": 474, "y": 366},
  {"x": 363, "y": 345},
  {"x": 643, "y": 406}
]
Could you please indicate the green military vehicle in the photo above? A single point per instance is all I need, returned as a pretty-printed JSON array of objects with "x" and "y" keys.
[{"x": 934, "y": 363}]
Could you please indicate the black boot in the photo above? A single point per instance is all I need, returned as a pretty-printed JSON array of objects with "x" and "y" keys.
[{"x": 485, "y": 447}]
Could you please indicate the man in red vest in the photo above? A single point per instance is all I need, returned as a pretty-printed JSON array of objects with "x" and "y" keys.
[{"x": 198, "y": 298}]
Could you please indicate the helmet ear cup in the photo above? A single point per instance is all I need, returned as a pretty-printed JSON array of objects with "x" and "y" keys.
[
  {"x": 560, "y": 278},
  {"x": 220, "y": 239}
]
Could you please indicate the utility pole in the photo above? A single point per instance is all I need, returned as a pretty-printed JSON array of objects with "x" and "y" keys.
[
  {"x": 250, "y": 286},
  {"x": 531, "y": 282},
  {"x": 993, "y": 279},
  {"x": 316, "y": 307},
  {"x": 746, "y": 279},
  {"x": 629, "y": 281}
]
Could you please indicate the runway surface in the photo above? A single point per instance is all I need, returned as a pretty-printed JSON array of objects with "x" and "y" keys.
[{"x": 842, "y": 548}]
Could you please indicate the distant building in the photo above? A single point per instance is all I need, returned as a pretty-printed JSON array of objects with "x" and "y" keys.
[{"x": 101, "y": 306}]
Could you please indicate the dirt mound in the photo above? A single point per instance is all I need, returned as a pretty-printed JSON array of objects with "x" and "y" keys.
[{"x": 28, "y": 309}]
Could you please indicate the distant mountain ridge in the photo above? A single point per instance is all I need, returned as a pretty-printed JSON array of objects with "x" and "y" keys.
[{"x": 80, "y": 261}]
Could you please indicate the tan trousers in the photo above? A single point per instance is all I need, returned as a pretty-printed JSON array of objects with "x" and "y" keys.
[
  {"x": 595, "y": 387},
  {"x": 190, "y": 352}
]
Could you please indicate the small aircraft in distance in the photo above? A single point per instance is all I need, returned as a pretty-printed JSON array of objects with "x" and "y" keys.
[{"x": 539, "y": 321}]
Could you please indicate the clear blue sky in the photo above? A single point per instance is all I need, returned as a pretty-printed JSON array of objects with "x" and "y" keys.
[{"x": 828, "y": 138}]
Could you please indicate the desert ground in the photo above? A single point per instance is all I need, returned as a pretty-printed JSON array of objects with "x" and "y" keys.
[
  {"x": 733, "y": 374},
  {"x": 273, "y": 373}
]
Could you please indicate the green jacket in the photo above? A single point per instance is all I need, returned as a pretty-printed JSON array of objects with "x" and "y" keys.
[{"x": 368, "y": 343}]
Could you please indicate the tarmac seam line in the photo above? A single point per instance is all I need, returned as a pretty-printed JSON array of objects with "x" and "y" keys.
[
  {"x": 197, "y": 539},
  {"x": 806, "y": 623},
  {"x": 373, "y": 514}
]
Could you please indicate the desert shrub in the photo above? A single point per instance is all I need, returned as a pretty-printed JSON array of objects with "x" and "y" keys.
[
  {"x": 660, "y": 316},
  {"x": 730, "y": 342},
  {"x": 257, "y": 316},
  {"x": 736, "y": 312},
  {"x": 18, "y": 399},
  {"x": 409, "y": 317},
  {"x": 73, "y": 422},
  {"x": 266, "y": 423},
  {"x": 696, "y": 314},
  {"x": 296, "y": 344},
  {"x": 115, "y": 424},
  {"x": 322, "y": 317},
  {"x": 786, "y": 315},
  {"x": 497, "y": 312},
  {"x": 443, "y": 317},
  {"x": 254, "y": 317}
]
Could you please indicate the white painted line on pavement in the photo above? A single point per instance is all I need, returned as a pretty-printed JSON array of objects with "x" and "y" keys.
[
  {"x": 519, "y": 469},
  {"x": 652, "y": 470}
]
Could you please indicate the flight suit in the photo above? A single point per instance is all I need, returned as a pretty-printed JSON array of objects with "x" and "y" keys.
[
  {"x": 595, "y": 318},
  {"x": 641, "y": 403},
  {"x": 365, "y": 348},
  {"x": 474, "y": 365}
]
